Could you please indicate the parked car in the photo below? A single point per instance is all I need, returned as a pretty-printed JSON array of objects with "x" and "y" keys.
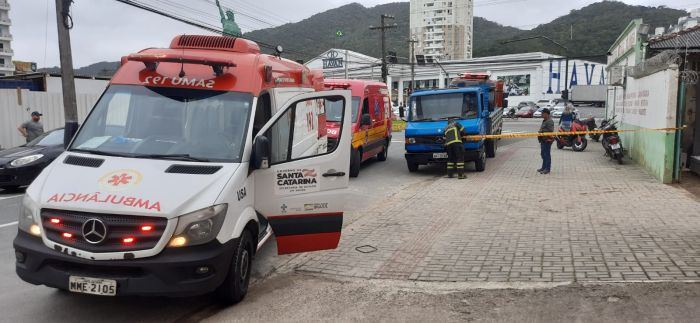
[
  {"x": 548, "y": 103},
  {"x": 558, "y": 109},
  {"x": 19, "y": 166},
  {"x": 527, "y": 104},
  {"x": 525, "y": 112}
]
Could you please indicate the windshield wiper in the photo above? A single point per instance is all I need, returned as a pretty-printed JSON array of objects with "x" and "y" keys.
[
  {"x": 98, "y": 152},
  {"x": 424, "y": 119},
  {"x": 448, "y": 118},
  {"x": 185, "y": 157}
]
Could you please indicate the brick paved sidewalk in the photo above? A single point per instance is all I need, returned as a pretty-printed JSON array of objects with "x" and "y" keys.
[{"x": 589, "y": 220}]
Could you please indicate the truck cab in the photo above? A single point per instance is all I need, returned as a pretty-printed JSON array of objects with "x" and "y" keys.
[
  {"x": 193, "y": 156},
  {"x": 371, "y": 120},
  {"x": 475, "y": 101}
]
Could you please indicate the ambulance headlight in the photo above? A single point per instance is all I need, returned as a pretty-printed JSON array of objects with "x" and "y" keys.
[
  {"x": 410, "y": 140},
  {"x": 199, "y": 227},
  {"x": 25, "y": 160},
  {"x": 26, "y": 221}
]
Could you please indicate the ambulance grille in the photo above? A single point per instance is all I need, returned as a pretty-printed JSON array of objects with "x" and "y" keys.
[
  {"x": 193, "y": 170},
  {"x": 83, "y": 161},
  {"x": 193, "y": 41},
  {"x": 118, "y": 227}
]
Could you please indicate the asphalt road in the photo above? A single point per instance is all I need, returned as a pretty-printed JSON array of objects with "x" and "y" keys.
[{"x": 22, "y": 302}]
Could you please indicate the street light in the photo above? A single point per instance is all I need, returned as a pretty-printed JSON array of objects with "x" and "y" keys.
[{"x": 566, "y": 54}]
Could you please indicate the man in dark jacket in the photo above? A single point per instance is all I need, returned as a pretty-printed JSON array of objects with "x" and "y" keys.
[
  {"x": 455, "y": 148},
  {"x": 546, "y": 142}
]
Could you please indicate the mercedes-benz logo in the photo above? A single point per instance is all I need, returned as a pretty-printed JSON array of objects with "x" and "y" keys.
[{"x": 94, "y": 231}]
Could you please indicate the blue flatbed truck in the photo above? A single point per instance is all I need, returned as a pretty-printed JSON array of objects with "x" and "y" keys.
[{"x": 478, "y": 104}]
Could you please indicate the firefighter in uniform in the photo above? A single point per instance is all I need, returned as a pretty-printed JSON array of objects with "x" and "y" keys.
[{"x": 455, "y": 148}]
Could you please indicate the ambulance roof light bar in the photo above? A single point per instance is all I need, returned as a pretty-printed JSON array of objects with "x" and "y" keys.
[
  {"x": 337, "y": 85},
  {"x": 474, "y": 76},
  {"x": 152, "y": 60}
]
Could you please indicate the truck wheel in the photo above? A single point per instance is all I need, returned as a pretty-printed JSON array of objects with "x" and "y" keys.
[
  {"x": 481, "y": 162},
  {"x": 235, "y": 287},
  {"x": 491, "y": 147},
  {"x": 412, "y": 167},
  {"x": 355, "y": 161},
  {"x": 385, "y": 152}
]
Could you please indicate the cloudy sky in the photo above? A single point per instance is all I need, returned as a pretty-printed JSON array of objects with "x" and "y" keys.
[{"x": 106, "y": 29}]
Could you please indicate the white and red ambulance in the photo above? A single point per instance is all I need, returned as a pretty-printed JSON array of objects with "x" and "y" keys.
[{"x": 190, "y": 160}]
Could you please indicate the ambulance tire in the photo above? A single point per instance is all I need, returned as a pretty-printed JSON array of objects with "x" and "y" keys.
[
  {"x": 385, "y": 152},
  {"x": 480, "y": 163},
  {"x": 491, "y": 147},
  {"x": 355, "y": 162},
  {"x": 235, "y": 287}
]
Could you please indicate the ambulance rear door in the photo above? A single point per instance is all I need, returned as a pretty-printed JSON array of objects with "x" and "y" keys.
[{"x": 300, "y": 183}]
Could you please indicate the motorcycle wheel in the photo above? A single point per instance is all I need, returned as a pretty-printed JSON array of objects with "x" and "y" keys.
[
  {"x": 580, "y": 146},
  {"x": 559, "y": 145},
  {"x": 619, "y": 158}
]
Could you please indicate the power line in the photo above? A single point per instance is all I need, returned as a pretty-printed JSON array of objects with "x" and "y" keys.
[{"x": 200, "y": 24}]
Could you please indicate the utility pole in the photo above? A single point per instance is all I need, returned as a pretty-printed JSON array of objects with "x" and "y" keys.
[
  {"x": 412, "y": 58},
  {"x": 70, "y": 108},
  {"x": 383, "y": 28}
]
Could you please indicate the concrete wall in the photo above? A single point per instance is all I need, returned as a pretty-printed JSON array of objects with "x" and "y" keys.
[
  {"x": 82, "y": 86},
  {"x": 645, "y": 103},
  {"x": 15, "y": 108}
]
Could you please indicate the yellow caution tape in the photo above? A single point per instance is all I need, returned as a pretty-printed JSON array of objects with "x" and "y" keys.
[{"x": 567, "y": 133}]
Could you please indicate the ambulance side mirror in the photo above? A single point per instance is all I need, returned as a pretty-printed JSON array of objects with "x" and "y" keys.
[
  {"x": 366, "y": 120},
  {"x": 261, "y": 153}
]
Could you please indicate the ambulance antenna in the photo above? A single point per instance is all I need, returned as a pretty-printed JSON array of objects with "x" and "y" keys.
[{"x": 182, "y": 63}]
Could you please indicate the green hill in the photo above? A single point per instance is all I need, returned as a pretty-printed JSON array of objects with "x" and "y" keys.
[
  {"x": 588, "y": 31},
  {"x": 594, "y": 29}
]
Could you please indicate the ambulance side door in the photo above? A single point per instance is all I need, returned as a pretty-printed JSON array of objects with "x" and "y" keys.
[{"x": 300, "y": 181}]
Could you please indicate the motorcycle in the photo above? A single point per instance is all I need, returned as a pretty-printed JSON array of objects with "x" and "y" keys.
[
  {"x": 590, "y": 123},
  {"x": 576, "y": 142},
  {"x": 611, "y": 141}
]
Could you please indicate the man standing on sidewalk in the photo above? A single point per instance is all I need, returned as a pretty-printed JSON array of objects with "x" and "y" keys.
[
  {"x": 31, "y": 129},
  {"x": 455, "y": 148},
  {"x": 546, "y": 142}
]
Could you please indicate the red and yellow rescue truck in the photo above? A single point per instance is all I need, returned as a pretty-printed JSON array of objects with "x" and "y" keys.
[
  {"x": 190, "y": 160},
  {"x": 371, "y": 120}
]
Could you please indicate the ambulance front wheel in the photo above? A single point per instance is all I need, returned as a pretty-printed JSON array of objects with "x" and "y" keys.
[
  {"x": 355, "y": 162},
  {"x": 384, "y": 154},
  {"x": 235, "y": 287}
]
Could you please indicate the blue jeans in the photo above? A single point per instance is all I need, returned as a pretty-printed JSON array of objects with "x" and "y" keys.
[{"x": 546, "y": 153}]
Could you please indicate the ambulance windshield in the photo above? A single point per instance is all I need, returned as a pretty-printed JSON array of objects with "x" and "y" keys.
[
  {"x": 167, "y": 123},
  {"x": 443, "y": 106}
]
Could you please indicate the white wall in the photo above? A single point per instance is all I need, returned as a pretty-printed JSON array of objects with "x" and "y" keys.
[
  {"x": 82, "y": 86},
  {"x": 647, "y": 102},
  {"x": 12, "y": 113}
]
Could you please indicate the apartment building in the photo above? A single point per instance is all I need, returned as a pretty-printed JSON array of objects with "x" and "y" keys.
[
  {"x": 6, "y": 67},
  {"x": 443, "y": 29}
]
